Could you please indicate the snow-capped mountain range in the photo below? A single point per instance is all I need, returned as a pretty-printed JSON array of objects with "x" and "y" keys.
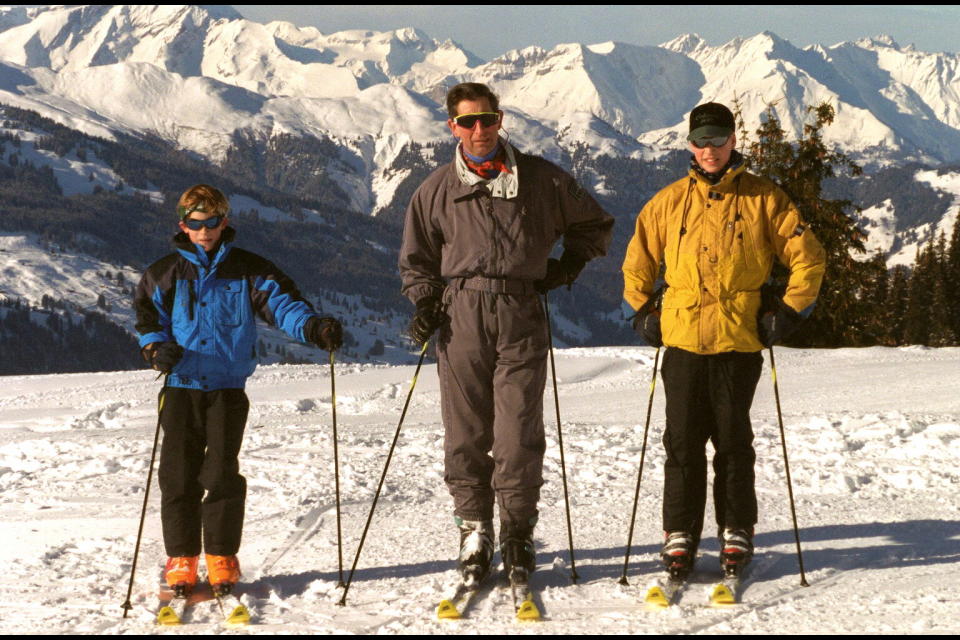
[
  {"x": 201, "y": 77},
  {"x": 195, "y": 74}
]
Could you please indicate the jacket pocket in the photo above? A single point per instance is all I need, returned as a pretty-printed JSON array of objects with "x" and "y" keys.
[
  {"x": 230, "y": 303},
  {"x": 738, "y": 324},
  {"x": 679, "y": 317},
  {"x": 740, "y": 308},
  {"x": 676, "y": 298}
]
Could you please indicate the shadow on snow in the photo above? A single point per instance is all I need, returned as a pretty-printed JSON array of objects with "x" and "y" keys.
[{"x": 878, "y": 546}]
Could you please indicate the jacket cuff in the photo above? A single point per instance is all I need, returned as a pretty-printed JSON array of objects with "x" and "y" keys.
[
  {"x": 422, "y": 292},
  {"x": 156, "y": 336}
]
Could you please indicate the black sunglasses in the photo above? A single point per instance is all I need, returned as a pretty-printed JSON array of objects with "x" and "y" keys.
[
  {"x": 469, "y": 120},
  {"x": 712, "y": 141},
  {"x": 210, "y": 223}
]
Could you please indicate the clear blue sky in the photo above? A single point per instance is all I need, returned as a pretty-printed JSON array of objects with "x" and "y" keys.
[{"x": 490, "y": 30}]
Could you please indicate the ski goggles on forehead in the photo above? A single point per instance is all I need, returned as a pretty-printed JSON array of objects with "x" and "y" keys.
[
  {"x": 210, "y": 223},
  {"x": 469, "y": 120},
  {"x": 710, "y": 141}
]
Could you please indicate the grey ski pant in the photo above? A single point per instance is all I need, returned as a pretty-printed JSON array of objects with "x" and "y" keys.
[{"x": 492, "y": 360}]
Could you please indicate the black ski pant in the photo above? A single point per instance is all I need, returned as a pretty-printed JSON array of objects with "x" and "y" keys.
[
  {"x": 202, "y": 433},
  {"x": 709, "y": 398}
]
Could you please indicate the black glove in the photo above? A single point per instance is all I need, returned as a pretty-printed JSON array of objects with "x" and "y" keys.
[
  {"x": 427, "y": 319},
  {"x": 647, "y": 320},
  {"x": 776, "y": 325},
  {"x": 560, "y": 272},
  {"x": 162, "y": 356},
  {"x": 648, "y": 326},
  {"x": 326, "y": 333}
]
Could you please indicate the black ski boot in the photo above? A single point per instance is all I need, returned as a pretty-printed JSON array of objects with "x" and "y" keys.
[
  {"x": 476, "y": 549},
  {"x": 517, "y": 551},
  {"x": 679, "y": 553},
  {"x": 736, "y": 550}
]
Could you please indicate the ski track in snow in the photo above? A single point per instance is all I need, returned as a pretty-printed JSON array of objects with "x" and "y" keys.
[{"x": 873, "y": 437}]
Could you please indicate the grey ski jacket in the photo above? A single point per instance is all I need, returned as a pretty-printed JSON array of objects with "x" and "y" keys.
[{"x": 454, "y": 230}]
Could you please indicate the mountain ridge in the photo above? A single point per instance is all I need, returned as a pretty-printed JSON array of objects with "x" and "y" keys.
[
  {"x": 909, "y": 111},
  {"x": 246, "y": 106}
]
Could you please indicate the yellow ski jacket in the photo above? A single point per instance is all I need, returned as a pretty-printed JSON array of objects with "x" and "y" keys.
[{"x": 718, "y": 243}]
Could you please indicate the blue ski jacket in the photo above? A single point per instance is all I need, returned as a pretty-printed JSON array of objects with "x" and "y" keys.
[{"x": 208, "y": 306}]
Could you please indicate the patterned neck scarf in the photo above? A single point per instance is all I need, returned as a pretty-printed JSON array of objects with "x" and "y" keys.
[
  {"x": 487, "y": 169},
  {"x": 736, "y": 159}
]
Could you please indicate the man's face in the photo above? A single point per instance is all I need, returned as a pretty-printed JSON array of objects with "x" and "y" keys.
[
  {"x": 206, "y": 238},
  {"x": 478, "y": 140},
  {"x": 712, "y": 159}
]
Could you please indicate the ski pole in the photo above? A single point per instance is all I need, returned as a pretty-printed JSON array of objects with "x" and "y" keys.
[
  {"x": 383, "y": 476},
  {"x": 643, "y": 453},
  {"x": 336, "y": 469},
  {"x": 563, "y": 465},
  {"x": 786, "y": 466},
  {"x": 146, "y": 496}
]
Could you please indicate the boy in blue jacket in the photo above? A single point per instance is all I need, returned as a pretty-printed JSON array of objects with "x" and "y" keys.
[{"x": 196, "y": 313}]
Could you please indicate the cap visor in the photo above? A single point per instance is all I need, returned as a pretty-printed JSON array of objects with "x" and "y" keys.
[{"x": 709, "y": 131}]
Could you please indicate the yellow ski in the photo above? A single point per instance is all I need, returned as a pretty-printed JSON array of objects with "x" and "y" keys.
[
  {"x": 172, "y": 613},
  {"x": 456, "y": 605},
  {"x": 656, "y": 598},
  {"x": 235, "y": 614},
  {"x": 446, "y": 610},
  {"x": 238, "y": 617},
  {"x": 664, "y": 592},
  {"x": 167, "y": 617},
  {"x": 723, "y": 595},
  {"x": 527, "y": 611}
]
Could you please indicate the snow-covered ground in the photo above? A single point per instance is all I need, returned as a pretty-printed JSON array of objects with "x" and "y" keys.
[{"x": 874, "y": 443}]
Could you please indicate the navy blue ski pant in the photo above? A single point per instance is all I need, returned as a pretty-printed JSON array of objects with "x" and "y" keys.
[
  {"x": 200, "y": 483},
  {"x": 709, "y": 399}
]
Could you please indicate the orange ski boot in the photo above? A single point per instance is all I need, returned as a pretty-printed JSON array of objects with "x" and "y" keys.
[
  {"x": 223, "y": 572},
  {"x": 182, "y": 571}
]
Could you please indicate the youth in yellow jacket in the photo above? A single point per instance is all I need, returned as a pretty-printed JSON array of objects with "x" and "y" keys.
[
  {"x": 716, "y": 232},
  {"x": 718, "y": 242}
]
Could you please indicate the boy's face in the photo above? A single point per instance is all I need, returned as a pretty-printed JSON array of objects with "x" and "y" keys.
[
  {"x": 713, "y": 159},
  {"x": 206, "y": 238}
]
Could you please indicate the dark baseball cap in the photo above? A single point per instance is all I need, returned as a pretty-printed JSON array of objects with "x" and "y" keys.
[{"x": 711, "y": 119}]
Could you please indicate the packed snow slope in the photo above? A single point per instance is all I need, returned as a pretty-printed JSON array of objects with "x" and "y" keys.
[{"x": 873, "y": 437}]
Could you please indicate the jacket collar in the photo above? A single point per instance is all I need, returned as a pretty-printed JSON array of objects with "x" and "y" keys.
[
  {"x": 726, "y": 179},
  {"x": 195, "y": 253},
  {"x": 506, "y": 185}
]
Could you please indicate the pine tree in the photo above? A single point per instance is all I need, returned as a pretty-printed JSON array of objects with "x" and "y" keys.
[
  {"x": 918, "y": 301},
  {"x": 940, "y": 332},
  {"x": 875, "y": 312},
  {"x": 800, "y": 169},
  {"x": 952, "y": 279},
  {"x": 929, "y": 318},
  {"x": 896, "y": 306}
]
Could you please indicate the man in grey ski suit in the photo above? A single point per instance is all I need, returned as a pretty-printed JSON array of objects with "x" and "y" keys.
[{"x": 477, "y": 237}]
